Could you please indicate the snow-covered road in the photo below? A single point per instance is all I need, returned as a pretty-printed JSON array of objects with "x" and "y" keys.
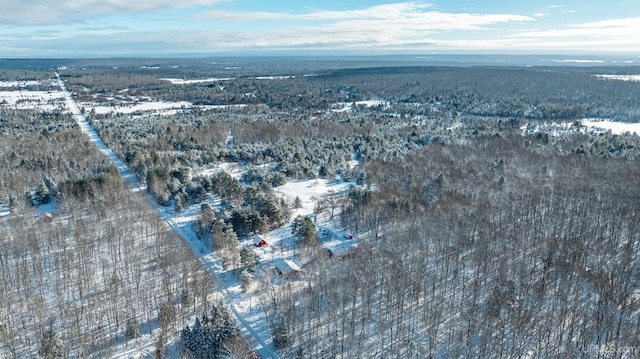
[{"x": 260, "y": 335}]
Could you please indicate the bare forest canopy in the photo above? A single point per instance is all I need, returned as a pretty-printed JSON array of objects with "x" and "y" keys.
[{"x": 492, "y": 218}]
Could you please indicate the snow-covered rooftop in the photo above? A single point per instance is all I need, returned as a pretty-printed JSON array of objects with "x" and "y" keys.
[{"x": 285, "y": 266}]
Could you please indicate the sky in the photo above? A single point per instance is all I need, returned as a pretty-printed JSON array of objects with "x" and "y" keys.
[{"x": 109, "y": 28}]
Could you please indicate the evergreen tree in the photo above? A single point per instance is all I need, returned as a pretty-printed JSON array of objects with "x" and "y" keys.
[
  {"x": 180, "y": 202},
  {"x": 43, "y": 195},
  {"x": 246, "y": 220},
  {"x": 51, "y": 346},
  {"x": 133, "y": 328},
  {"x": 303, "y": 228},
  {"x": 297, "y": 203},
  {"x": 245, "y": 279},
  {"x": 224, "y": 236},
  {"x": 248, "y": 259},
  {"x": 206, "y": 338}
]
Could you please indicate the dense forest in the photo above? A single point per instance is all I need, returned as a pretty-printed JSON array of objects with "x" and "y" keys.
[{"x": 491, "y": 220}]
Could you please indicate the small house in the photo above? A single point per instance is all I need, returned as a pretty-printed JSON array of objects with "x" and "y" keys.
[
  {"x": 342, "y": 250},
  {"x": 286, "y": 268},
  {"x": 259, "y": 241}
]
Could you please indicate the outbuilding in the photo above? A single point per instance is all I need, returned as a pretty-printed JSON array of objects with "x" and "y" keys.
[
  {"x": 286, "y": 268},
  {"x": 259, "y": 241},
  {"x": 341, "y": 250}
]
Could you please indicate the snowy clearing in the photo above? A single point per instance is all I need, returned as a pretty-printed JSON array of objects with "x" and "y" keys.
[
  {"x": 285, "y": 77},
  {"x": 632, "y": 78},
  {"x": 177, "y": 81},
  {"x": 576, "y": 61},
  {"x": 617, "y": 128},
  {"x": 152, "y": 107},
  {"x": 309, "y": 192},
  {"x": 348, "y": 106},
  {"x": 158, "y": 106},
  {"x": 19, "y": 83},
  {"x": 48, "y": 101},
  {"x": 196, "y": 81},
  {"x": 587, "y": 126}
]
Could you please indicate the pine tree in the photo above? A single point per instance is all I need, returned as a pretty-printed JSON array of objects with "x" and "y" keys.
[
  {"x": 245, "y": 280},
  {"x": 51, "y": 345},
  {"x": 248, "y": 259},
  {"x": 297, "y": 203},
  {"x": 133, "y": 328},
  {"x": 208, "y": 334},
  {"x": 305, "y": 230},
  {"x": 43, "y": 195}
]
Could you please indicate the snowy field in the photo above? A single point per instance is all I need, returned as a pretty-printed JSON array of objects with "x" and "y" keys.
[
  {"x": 587, "y": 126},
  {"x": 617, "y": 128},
  {"x": 162, "y": 107},
  {"x": 310, "y": 192},
  {"x": 632, "y": 78},
  {"x": 196, "y": 81},
  {"x": 19, "y": 83},
  {"x": 44, "y": 101},
  {"x": 177, "y": 81},
  {"x": 348, "y": 106}
]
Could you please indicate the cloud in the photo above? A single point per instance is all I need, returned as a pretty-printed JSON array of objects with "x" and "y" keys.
[
  {"x": 409, "y": 17},
  {"x": 403, "y": 25},
  {"x": 628, "y": 27},
  {"x": 46, "y": 12},
  {"x": 375, "y": 12},
  {"x": 410, "y": 26},
  {"x": 601, "y": 35},
  {"x": 631, "y": 23},
  {"x": 384, "y": 26}
]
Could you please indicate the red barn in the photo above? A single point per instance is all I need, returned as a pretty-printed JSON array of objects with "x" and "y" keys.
[{"x": 259, "y": 241}]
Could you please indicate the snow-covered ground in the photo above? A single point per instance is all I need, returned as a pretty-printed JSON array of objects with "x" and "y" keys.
[
  {"x": 25, "y": 99},
  {"x": 151, "y": 106},
  {"x": 633, "y": 78},
  {"x": 196, "y": 81},
  {"x": 587, "y": 125},
  {"x": 39, "y": 100},
  {"x": 617, "y": 128},
  {"x": 251, "y": 318},
  {"x": 146, "y": 107},
  {"x": 283, "y": 77},
  {"x": 348, "y": 106},
  {"x": 19, "y": 83},
  {"x": 177, "y": 81},
  {"x": 281, "y": 245},
  {"x": 309, "y": 192},
  {"x": 579, "y": 61}
]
